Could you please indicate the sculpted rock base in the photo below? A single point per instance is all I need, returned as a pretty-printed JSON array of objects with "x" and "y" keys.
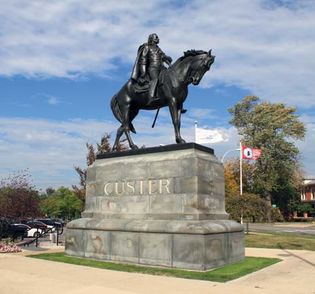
[{"x": 159, "y": 206}]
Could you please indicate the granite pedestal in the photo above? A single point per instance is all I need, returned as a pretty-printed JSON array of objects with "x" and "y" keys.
[{"x": 160, "y": 206}]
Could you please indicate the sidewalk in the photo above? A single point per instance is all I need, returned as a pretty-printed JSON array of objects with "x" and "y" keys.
[
  {"x": 20, "y": 274},
  {"x": 296, "y": 224}
]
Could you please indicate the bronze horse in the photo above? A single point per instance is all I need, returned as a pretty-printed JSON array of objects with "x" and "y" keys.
[{"x": 172, "y": 92}]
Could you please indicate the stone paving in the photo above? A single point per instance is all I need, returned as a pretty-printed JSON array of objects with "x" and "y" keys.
[{"x": 19, "y": 274}]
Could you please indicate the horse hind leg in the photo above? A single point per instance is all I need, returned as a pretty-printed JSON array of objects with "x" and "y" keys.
[
  {"x": 132, "y": 114},
  {"x": 128, "y": 116},
  {"x": 132, "y": 145},
  {"x": 120, "y": 132}
]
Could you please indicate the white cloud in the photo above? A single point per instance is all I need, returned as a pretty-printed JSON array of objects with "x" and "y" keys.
[
  {"x": 48, "y": 148},
  {"x": 53, "y": 100},
  {"x": 264, "y": 46},
  {"x": 51, "y": 148},
  {"x": 261, "y": 46},
  {"x": 202, "y": 113},
  {"x": 307, "y": 146},
  {"x": 45, "y": 97}
]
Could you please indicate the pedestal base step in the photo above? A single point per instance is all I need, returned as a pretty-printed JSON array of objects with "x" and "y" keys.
[{"x": 198, "y": 245}]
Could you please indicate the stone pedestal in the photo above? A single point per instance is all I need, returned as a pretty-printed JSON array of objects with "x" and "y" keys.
[{"x": 160, "y": 206}]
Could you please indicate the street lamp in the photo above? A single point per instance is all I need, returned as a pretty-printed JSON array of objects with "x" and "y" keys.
[{"x": 227, "y": 152}]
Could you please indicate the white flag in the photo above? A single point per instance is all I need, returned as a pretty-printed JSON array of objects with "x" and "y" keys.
[{"x": 205, "y": 136}]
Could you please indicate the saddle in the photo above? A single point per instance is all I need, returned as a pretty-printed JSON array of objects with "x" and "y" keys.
[{"x": 145, "y": 87}]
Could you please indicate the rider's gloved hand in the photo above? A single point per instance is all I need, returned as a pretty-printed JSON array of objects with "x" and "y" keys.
[
  {"x": 168, "y": 60},
  {"x": 142, "y": 81}
]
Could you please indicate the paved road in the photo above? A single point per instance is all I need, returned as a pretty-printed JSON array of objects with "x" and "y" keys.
[{"x": 299, "y": 228}]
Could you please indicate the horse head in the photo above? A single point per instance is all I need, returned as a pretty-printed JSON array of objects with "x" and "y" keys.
[{"x": 200, "y": 63}]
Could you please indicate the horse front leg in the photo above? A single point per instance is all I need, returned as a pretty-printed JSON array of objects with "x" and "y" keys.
[{"x": 175, "y": 112}]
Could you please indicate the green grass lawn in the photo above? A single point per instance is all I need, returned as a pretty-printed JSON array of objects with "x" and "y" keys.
[
  {"x": 222, "y": 274},
  {"x": 282, "y": 241}
]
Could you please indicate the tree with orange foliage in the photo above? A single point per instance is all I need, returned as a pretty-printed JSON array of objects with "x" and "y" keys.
[
  {"x": 232, "y": 177},
  {"x": 232, "y": 186}
]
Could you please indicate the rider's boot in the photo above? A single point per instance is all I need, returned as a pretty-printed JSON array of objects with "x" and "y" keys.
[{"x": 152, "y": 91}]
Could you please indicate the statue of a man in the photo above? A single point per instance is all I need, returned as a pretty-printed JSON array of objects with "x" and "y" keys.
[{"x": 149, "y": 63}]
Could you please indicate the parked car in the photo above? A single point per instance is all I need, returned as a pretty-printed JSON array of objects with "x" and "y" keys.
[
  {"x": 12, "y": 230},
  {"x": 50, "y": 223},
  {"x": 59, "y": 220},
  {"x": 38, "y": 224},
  {"x": 34, "y": 232}
]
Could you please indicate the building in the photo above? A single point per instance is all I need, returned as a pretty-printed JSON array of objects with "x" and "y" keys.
[{"x": 308, "y": 191}]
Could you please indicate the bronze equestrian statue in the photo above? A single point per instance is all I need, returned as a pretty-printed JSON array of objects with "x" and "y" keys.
[
  {"x": 145, "y": 90},
  {"x": 148, "y": 65}
]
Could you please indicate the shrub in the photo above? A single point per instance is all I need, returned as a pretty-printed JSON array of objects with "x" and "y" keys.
[
  {"x": 248, "y": 206},
  {"x": 9, "y": 247},
  {"x": 276, "y": 215}
]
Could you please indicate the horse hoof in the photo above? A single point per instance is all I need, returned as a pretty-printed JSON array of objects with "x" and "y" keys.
[{"x": 180, "y": 141}]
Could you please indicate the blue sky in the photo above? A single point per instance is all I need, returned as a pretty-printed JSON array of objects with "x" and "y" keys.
[{"x": 62, "y": 61}]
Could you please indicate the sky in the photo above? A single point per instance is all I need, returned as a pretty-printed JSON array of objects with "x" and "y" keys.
[{"x": 62, "y": 61}]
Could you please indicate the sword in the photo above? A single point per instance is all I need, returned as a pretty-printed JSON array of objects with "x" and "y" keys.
[{"x": 156, "y": 115}]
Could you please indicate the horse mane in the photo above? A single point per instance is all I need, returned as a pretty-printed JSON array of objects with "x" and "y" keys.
[
  {"x": 192, "y": 52},
  {"x": 189, "y": 53}
]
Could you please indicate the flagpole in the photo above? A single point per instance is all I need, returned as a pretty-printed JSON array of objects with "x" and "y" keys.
[
  {"x": 196, "y": 131},
  {"x": 241, "y": 176},
  {"x": 241, "y": 169}
]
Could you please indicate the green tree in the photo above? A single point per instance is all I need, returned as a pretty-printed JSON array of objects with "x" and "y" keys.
[
  {"x": 247, "y": 206},
  {"x": 272, "y": 127},
  {"x": 63, "y": 203}
]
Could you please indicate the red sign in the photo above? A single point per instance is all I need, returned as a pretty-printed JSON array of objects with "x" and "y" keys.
[{"x": 250, "y": 153}]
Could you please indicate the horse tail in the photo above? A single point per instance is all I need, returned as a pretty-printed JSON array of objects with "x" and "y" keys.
[
  {"x": 115, "y": 109},
  {"x": 132, "y": 128},
  {"x": 117, "y": 113}
]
